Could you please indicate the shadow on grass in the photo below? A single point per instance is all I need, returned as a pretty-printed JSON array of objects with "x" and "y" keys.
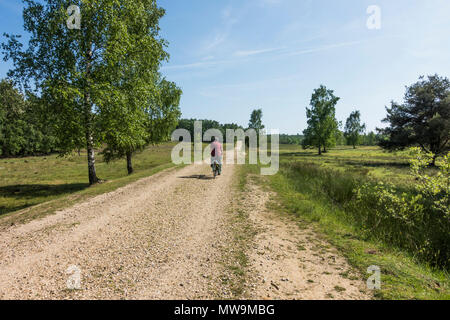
[
  {"x": 23, "y": 192},
  {"x": 375, "y": 164},
  {"x": 359, "y": 162},
  {"x": 198, "y": 176},
  {"x": 301, "y": 154},
  {"x": 5, "y": 210}
]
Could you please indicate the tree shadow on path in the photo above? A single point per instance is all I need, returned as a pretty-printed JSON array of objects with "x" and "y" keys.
[{"x": 198, "y": 176}]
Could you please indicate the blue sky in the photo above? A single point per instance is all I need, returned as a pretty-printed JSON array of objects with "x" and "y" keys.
[{"x": 230, "y": 57}]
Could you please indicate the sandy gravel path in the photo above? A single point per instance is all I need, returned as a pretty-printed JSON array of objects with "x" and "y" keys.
[
  {"x": 158, "y": 238},
  {"x": 163, "y": 237},
  {"x": 288, "y": 261}
]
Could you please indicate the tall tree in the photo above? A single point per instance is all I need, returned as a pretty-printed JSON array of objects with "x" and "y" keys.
[
  {"x": 256, "y": 123},
  {"x": 256, "y": 120},
  {"x": 422, "y": 120},
  {"x": 322, "y": 123},
  {"x": 153, "y": 122},
  {"x": 77, "y": 71},
  {"x": 143, "y": 106},
  {"x": 155, "y": 119},
  {"x": 354, "y": 128},
  {"x": 164, "y": 112}
]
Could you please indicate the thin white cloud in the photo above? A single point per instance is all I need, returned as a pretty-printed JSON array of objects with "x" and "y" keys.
[
  {"x": 226, "y": 12},
  {"x": 246, "y": 53},
  {"x": 243, "y": 56},
  {"x": 230, "y": 16},
  {"x": 218, "y": 39},
  {"x": 323, "y": 48},
  {"x": 194, "y": 65},
  {"x": 258, "y": 83},
  {"x": 229, "y": 19}
]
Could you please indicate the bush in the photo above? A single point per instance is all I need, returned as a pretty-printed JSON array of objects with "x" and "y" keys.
[{"x": 416, "y": 219}]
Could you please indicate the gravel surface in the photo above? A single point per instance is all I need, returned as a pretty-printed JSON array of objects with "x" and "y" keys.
[
  {"x": 292, "y": 262},
  {"x": 158, "y": 238},
  {"x": 163, "y": 237}
]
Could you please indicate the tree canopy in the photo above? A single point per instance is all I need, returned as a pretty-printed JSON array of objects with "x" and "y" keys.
[
  {"x": 24, "y": 129},
  {"x": 322, "y": 123},
  {"x": 255, "y": 121},
  {"x": 422, "y": 120},
  {"x": 354, "y": 128},
  {"x": 90, "y": 76},
  {"x": 136, "y": 122}
]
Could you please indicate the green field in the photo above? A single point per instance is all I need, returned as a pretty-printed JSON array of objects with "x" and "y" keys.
[
  {"x": 59, "y": 181},
  {"x": 320, "y": 191},
  {"x": 377, "y": 163}
]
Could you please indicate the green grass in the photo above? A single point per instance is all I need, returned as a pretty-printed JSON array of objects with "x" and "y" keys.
[
  {"x": 53, "y": 182},
  {"x": 308, "y": 190},
  {"x": 403, "y": 277},
  {"x": 234, "y": 253},
  {"x": 379, "y": 164},
  {"x": 425, "y": 234}
]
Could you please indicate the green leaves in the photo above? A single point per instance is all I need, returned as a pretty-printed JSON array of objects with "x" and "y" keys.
[
  {"x": 23, "y": 128},
  {"x": 256, "y": 120},
  {"x": 423, "y": 119},
  {"x": 98, "y": 82},
  {"x": 435, "y": 187},
  {"x": 422, "y": 213},
  {"x": 322, "y": 123},
  {"x": 137, "y": 106},
  {"x": 353, "y": 128}
]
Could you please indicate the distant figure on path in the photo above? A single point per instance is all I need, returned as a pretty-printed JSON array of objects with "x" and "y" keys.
[{"x": 216, "y": 153}]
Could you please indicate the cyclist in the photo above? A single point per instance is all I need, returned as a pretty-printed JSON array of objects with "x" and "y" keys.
[{"x": 216, "y": 153}]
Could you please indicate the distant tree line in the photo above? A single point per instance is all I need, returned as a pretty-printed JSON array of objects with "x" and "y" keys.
[
  {"x": 291, "y": 139},
  {"x": 423, "y": 120},
  {"x": 369, "y": 139},
  {"x": 254, "y": 123},
  {"x": 24, "y": 128},
  {"x": 365, "y": 139},
  {"x": 188, "y": 124}
]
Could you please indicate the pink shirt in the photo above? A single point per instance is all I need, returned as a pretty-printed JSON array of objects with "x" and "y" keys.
[{"x": 218, "y": 148}]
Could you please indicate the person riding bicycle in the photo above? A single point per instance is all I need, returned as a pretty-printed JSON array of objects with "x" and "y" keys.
[{"x": 216, "y": 153}]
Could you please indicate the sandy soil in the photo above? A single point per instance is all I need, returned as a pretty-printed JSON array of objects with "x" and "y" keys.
[
  {"x": 292, "y": 262},
  {"x": 162, "y": 238},
  {"x": 158, "y": 238}
]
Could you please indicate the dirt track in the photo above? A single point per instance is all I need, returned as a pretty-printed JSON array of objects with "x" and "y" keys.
[
  {"x": 159, "y": 238},
  {"x": 154, "y": 239},
  {"x": 289, "y": 261}
]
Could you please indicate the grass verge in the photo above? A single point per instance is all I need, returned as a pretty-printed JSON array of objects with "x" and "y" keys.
[
  {"x": 235, "y": 258},
  {"x": 402, "y": 276}
]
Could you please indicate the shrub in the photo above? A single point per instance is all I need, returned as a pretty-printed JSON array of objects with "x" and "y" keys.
[
  {"x": 418, "y": 220},
  {"x": 414, "y": 218}
]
